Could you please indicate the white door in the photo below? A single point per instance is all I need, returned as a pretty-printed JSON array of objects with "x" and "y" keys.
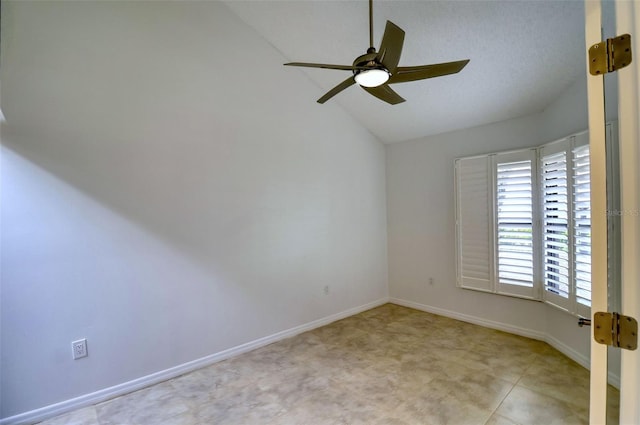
[{"x": 627, "y": 21}]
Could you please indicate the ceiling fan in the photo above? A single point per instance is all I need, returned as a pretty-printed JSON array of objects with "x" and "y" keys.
[{"x": 374, "y": 71}]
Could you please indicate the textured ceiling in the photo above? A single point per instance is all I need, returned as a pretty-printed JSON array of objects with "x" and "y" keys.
[{"x": 523, "y": 55}]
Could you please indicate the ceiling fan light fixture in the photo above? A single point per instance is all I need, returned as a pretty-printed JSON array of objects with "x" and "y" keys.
[
  {"x": 371, "y": 70},
  {"x": 372, "y": 77}
]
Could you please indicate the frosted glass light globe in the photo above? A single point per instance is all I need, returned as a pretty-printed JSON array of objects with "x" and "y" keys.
[{"x": 372, "y": 77}]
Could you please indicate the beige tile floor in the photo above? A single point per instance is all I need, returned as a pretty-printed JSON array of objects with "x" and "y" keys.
[{"x": 391, "y": 365}]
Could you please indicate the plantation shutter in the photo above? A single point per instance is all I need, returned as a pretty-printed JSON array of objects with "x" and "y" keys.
[
  {"x": 582, "y": 228},
  {"x": 514, "y": 179},
  {"x": 473, "y": 223},
  {"x": 523, "y": 223},
  {"x": 555, "y": 224}
]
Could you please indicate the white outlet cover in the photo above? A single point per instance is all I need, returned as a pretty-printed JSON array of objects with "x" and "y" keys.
[{"x": 79, "y": 349}]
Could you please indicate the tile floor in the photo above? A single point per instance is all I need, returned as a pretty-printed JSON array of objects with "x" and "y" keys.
[{"x": 391, "y": 365}]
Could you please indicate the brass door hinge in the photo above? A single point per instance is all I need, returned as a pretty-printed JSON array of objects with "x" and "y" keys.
[
  {"x": 610, "y": 55},
  {"x": 616, "y": 330}
]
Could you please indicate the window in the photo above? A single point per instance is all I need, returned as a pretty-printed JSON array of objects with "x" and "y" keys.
[
  {"x": 555, "y": 224},
  {"x": 566, "y": 216},
  {"x": 523, "y": 223},
  {"x": 582, "y": 225},
  {"x": 514, "y": 222}
]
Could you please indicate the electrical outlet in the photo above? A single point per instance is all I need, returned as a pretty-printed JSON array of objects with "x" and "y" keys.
[
  {"x": 326, "y": 290},
  {"x": 79, "y": 349},
  {"x": 430, "y": 281}
]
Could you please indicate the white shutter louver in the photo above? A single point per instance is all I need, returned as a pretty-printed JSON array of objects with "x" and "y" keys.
[
  {"x": 514, "y": 230},
  {"x": 582, "y": 224},
  {"x": 523, "y": 223},
  {"x": 555, "y": 241},
  {"x": 473, "y": 223}
]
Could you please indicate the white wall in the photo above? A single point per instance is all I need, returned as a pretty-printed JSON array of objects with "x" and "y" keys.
[
  {"x": 421, "y": 222},
  {"x": 567, "y": 115},
  {"x": 163, "y": 199}
]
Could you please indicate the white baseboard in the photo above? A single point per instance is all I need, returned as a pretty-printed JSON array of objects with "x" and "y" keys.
[
  {"x": 574, "y": 355},
  {"x": 53, "y": 410},
  {"x": 56, "y": 409},
  {"x": 581, "y": 359},
  {"x": 529, "y": 333}
]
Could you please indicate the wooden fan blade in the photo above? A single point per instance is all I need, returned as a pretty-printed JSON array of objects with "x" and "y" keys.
[
  {"x": 405, "y": 74},
  {"x": 337, "y": 89},
  {"x": 391, "y": 47},
  {"x": 321, "y": 65},
  {"x": 384, "y": 92}
]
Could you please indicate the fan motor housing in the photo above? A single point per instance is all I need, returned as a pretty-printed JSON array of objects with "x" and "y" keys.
[{"x": 367, "y": 60}]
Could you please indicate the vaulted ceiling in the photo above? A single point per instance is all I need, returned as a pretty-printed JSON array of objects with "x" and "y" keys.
[{"x": 523, "y": 55}]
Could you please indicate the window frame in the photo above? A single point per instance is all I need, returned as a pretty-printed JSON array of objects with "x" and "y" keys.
[{"x": 538, "y": 290}]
